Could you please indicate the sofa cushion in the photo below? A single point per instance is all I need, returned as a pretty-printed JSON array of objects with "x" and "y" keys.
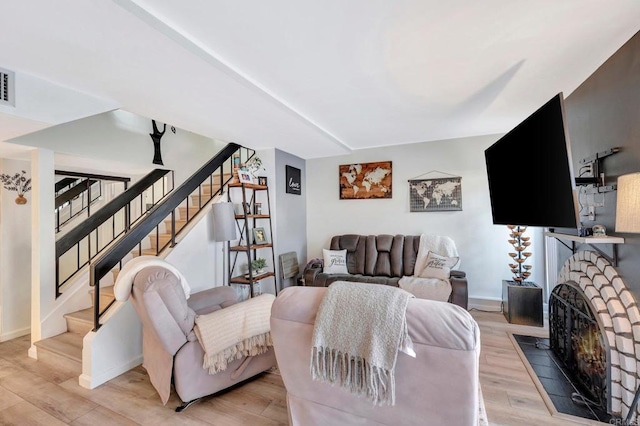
[
  {"x": 438, "y": 266},
  {"x": 355, "y": 246},
  {"x": 324, "y": 280},
  {"x": 335, "y": 261},
  {"x": 444, "y": 246},
  {"x": 409, "y": 254},
  {"x": 426, "y": 288}
]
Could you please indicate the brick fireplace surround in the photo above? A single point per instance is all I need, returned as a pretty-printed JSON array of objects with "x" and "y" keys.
[{"x": 619, "y": 320}]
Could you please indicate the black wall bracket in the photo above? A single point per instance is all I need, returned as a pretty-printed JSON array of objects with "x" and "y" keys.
[{"x": 597, "y": 178}]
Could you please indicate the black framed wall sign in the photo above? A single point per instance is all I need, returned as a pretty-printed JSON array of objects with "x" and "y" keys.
[{"x": 294, "y": 181}]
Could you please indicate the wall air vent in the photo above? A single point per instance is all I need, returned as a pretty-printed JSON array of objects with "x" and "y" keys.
[{"x": 7, "y": 87}]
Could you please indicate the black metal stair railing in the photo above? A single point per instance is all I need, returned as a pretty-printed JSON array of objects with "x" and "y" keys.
[
  {"x": 84, "y": 193},
  {"x": 190, "y": 198},
  {"x": 76, "y": 192},
  {"x": 64, "y": 184},
  {"x": 82, "y": 244}
]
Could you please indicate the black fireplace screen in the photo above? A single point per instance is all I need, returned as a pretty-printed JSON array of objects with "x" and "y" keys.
[{"x": 577, "y": 342}]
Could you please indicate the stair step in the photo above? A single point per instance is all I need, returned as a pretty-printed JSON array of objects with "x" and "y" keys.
[
  {"x": 106, "y": 293},
  {"x": 182, "y": 211},
  {"x": 208, "y": 188},
  {"x": 80, "y": 322},
  {"x": 200, "y": 200},
  {"x": 180, "y": 223},
  {"x": 62, "y": 351},
  {"x": 145, "y": 252},
  {"x": 162, "y": 239}
]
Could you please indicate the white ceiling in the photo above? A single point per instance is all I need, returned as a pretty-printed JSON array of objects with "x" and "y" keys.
[{"x": 313, "y": 78}]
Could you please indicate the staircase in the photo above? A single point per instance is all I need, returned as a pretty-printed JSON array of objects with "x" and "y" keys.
[{"x": 66, "y": 348}]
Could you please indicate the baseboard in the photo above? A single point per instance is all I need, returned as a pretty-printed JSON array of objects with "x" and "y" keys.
[
  {"x": 15, "y": 334},
  {"x": 91, "y": 382},
  {"x": 495, "y": 305},
  {"x": 485, "y": 304}
]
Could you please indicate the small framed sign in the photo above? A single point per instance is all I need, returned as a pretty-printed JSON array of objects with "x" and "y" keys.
[{"x": 294, "y": 181}]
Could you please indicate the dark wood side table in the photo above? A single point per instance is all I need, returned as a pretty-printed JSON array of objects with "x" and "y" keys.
[{"x": 522, "y": 303}]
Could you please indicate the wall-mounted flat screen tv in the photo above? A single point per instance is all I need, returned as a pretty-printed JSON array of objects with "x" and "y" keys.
[{"x": 530, "y": 172}]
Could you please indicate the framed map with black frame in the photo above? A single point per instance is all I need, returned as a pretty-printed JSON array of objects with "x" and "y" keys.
[{"x": 435, "y": 195}]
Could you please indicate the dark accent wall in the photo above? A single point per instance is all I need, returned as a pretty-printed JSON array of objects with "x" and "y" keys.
[
  {"x": 604, "y": 112},
  {"x": 291, "y": 221}
]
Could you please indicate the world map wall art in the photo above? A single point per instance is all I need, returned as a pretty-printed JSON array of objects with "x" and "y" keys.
[
  {"x": 435, "y": 195},
  {"x": 365, "y": 180}
]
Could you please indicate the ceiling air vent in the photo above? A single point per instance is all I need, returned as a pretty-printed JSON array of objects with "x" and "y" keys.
[{"x": 7, "y": 87}]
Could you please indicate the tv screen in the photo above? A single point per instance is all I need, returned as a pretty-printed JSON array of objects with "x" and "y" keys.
[{"x": 530, "y": 172}]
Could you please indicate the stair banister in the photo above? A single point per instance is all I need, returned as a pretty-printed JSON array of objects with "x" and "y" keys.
[
  {"x": 107, "y": 212},
  {"x": 155, "y": 216},
  {"x": 79, "y": 232}
]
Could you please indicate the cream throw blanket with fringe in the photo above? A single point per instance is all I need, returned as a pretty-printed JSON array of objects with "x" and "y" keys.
[
  {"x": 344, "y": 351},
  {"x": 234, "y": 332}
]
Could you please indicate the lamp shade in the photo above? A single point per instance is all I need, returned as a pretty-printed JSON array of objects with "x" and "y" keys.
[
  {"x": 628, "y": 203},
  {"x": 224, "y": 222}
]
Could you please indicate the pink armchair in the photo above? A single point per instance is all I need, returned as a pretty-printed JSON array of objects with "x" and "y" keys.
[
  {"x": 438, "y": 387},
  {"x": 170, "y": 348}
]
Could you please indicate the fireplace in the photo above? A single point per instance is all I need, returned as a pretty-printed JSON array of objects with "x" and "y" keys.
[
  {"x": 576, "y": 340},
  {"x": 594, "y": 326}
]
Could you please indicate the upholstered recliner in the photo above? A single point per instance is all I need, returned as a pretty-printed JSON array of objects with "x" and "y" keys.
[
  {"x": 437, "y": 387},
  {"x": 171, "y": 350},
  {"x": 381, "y": 259}
]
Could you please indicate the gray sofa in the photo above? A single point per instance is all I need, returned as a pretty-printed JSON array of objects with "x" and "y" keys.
[
  {"x": 438, "y": 387},
  {"x": 381, "y": 259}
]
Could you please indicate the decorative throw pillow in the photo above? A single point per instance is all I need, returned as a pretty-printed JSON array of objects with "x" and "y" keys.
[
  {"x": 438, "y": 266},
  {"x": 335, "y": 261}
]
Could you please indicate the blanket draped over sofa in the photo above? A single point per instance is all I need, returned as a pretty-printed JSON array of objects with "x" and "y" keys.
[
  {"x": 358, "y": 332},
  {"x": 235, "y": 332}
]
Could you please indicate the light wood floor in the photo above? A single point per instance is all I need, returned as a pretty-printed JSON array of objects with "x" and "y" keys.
[{"x": 32, "y": 393}]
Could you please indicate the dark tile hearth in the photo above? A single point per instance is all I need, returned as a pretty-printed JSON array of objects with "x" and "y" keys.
[{"x": 553, "y": 379}]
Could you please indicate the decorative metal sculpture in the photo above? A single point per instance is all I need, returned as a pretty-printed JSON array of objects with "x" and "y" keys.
[
  {"x": 155, "y": 137},
  {"x": 519, "y": 243}
]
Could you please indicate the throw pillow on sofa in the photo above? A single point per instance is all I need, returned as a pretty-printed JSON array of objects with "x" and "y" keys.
[
  {"x": 438, "y": 266},
  {"x": 335, "y": 261}
]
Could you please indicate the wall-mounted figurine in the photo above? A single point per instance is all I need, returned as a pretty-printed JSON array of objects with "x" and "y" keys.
[{"x": 155, "y": 137}]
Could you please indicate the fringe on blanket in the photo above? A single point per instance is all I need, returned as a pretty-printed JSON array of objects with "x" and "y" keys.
[
  {"x": 251, "y": 346},
  {"x": 355, "y": 374}
]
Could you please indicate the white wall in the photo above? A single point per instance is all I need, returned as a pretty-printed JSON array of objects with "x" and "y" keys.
[
  {"x": 123, "y": 138},
  {"x": 483, "y": 247},
  {"x": 15, "y": 257},
  {"x": 196, "y": 256}
]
